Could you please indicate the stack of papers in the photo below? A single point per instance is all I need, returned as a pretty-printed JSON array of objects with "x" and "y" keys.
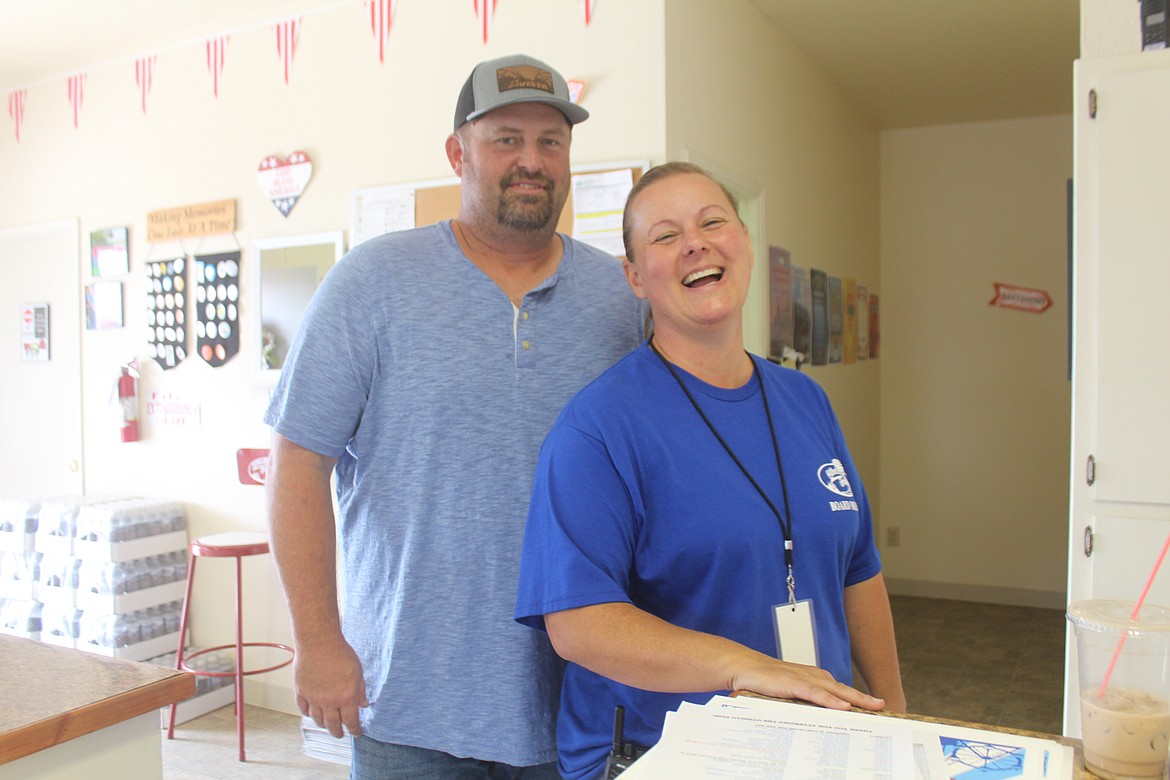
[
  {"x": 322, "y": 745},
  {"x": 747, "y": 737}
]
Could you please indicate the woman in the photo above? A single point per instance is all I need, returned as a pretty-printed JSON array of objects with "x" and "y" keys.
[{"x": 692, "y": 499}]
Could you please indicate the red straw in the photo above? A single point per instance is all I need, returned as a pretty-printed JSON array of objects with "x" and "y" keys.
[{"x": 1133, "y": 616}]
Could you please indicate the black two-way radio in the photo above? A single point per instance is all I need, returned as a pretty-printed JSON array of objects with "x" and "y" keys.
[{"x": 622, "y": 753}]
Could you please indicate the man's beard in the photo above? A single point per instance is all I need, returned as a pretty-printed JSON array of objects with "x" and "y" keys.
[{"x": 525, "y": 212}]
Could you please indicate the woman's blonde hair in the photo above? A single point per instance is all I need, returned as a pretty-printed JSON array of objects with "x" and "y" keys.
[{"x": 657, "y": 174}]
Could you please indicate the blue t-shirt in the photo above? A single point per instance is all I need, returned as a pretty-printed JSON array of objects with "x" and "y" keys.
[
  {"x": 415, "y": 370},
  {"x": 636, "y": 501}
]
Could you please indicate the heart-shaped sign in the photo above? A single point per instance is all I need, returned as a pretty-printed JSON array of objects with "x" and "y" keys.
[{"x": 283, "y": 179}]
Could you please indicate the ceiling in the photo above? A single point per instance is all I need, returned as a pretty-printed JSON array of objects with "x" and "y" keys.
[
  {"x": 912, "y": 63},
  {"x": 907, "y": 62}
]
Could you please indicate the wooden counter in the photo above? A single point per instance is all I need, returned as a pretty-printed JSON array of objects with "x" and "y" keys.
[{"x": 51, "y": 695}]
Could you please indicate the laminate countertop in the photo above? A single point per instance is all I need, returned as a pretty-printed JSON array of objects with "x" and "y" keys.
[{"x": 50, "y": 695}]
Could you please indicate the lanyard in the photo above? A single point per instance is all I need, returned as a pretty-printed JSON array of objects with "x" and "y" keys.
[{"x": 785, "y": 526}]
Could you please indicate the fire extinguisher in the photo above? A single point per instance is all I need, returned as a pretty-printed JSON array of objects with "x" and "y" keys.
[{"x": 128, "y": 396}]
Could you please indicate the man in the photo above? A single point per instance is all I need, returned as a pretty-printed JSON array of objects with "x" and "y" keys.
[{"x": 430, "y": 366}]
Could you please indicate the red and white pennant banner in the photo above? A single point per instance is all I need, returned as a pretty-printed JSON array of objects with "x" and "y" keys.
[
  {"x": 16, "y": 109},
  {"x": 381, "y": 17},
  {"x": 76, "y": 94},
  {"x": 484, "y": 10},
  {"x": 286, "y": 42},
  {"x": 216, "y": 49},
  {"x": 576, "y": 90},
  {"x": 144, "y": 77}
]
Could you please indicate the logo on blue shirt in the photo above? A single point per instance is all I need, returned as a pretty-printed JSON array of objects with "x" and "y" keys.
[{"x": 832, "y": 476}]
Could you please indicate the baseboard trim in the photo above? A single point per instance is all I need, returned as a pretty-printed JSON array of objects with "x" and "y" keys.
[
  {"x": 270, "y": 695},
  {"x": 985, "y": 594}
]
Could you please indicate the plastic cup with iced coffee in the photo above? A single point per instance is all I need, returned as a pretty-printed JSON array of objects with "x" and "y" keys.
[{"x": 1124, "y": 672}]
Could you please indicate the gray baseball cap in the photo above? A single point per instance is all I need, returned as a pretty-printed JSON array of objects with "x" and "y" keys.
[{"x": 514, "y": 79}]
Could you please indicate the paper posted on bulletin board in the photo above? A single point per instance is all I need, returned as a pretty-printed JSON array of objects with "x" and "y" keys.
[
  {"x": 598, "y": 202},
  {"x": 593, "y": 213},
  {"x": 381, "y": 210}
]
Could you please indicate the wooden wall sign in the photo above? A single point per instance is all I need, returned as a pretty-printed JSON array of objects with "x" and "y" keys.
[{"x": 202, "y": 219}]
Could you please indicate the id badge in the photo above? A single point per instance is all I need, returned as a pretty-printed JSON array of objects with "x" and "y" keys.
[{"x": 796, "y": 639}]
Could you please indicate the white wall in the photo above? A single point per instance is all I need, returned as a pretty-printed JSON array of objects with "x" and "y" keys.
[
  {"x": 364, "y": 124},
  {"x": 1109, "y": 28},
  {"x": 975, "y": 398}
]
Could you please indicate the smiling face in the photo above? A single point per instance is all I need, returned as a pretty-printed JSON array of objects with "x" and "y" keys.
[
  {"x": 514, "y": 166},
  {"x": 690, "y": 255}
]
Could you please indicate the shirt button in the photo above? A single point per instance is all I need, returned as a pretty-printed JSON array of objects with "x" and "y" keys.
[
  {"x": 526, "y": 344},
  {"x": 523, "y": 315}
]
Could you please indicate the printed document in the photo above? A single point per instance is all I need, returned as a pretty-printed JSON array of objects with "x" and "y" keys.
[{"x": 750, "y": 738}]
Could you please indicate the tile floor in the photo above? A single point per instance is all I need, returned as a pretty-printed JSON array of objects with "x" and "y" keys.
[
  {"x": 206, "y": 747},
  {"x": 984, "y": 663}
]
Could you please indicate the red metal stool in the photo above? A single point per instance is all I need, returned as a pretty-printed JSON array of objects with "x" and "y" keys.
[{"x": 226, "y": 545}]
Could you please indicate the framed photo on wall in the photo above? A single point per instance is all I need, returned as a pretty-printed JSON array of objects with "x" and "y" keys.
[
  {"x": 103, "y": 305},
  {"x": 109, "y": 252}
]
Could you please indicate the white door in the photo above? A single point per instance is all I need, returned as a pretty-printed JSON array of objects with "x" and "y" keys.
[
  {"x": 1120, "y": 491},
  {"x": 40, "y": 402}
]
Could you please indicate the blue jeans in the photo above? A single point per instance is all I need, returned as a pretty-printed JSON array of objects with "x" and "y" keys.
[{"x": 373, "y": 760}]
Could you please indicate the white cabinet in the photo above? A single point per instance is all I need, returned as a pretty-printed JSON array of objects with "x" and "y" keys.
[{"x": 1120, "y": 474}]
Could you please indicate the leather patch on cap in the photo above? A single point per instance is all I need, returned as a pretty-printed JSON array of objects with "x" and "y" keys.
[{"x": 524, "y": 77}]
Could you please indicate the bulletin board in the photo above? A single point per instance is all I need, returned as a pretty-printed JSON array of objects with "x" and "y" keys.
[{"x": 376, "y": 210}]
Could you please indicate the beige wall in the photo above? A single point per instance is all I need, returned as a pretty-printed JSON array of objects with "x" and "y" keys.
[
  {"x": 363, "y": 123},
  {"x": 924, "y": 202},
  {"x": 975, "y": 398},
  {"x": 934, "y": 424},
  {"x": 975, "y": 403},
  {"x": 761, "y": 115}
]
